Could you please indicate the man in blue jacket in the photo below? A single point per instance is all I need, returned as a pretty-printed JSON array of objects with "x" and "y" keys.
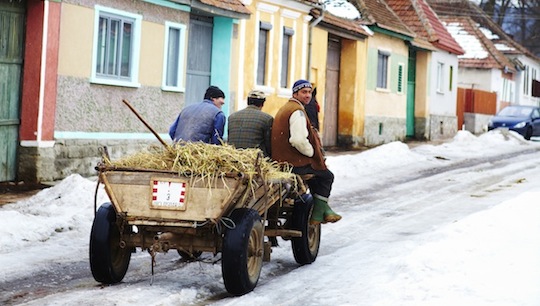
[{"x": 203, "y": 121}]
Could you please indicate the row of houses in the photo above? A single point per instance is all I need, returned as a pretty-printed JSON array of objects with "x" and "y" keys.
[{"x": 393, "y": 71}]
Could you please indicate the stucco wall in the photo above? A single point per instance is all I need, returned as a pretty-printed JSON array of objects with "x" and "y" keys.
[
  {"x": 72, "y": 156},
  {"x": 290, "y": 14},
  {"x": 352, "y": 92},
  {"x": 90, "y": 115},
  {"x": 476, "y": 123},
  {"x": 442, "y": 127},
  {"x": 92, "y": 108},
  {"x": 475, "y": 78},
  {"x": 524, "y": 97},
  {"x": 386, "y": 103},
  {"x": 444, "y": 102},
  {"x": 422, "y": 84},
  {"x": 86, "y": 107},
  {"x": 380, "y": 130}
]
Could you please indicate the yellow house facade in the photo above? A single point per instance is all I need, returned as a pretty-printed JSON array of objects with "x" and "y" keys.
[
  {"x": 284, "y": 41},
  {"x": 386, "y": 99},
  {"x": 339, "y": 70},
  {"x": 272, "y": 51}
]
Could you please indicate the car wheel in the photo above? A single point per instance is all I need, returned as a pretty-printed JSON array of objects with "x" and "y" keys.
[{"x": 528, "y": 133}]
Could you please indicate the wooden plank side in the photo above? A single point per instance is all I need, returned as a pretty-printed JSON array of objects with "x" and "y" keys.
[
  {"x": 134, "y": 200},
  {"x": 132, "y": 193}
]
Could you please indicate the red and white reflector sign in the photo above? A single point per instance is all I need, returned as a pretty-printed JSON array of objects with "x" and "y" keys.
[{"x": 168, "y": 195}]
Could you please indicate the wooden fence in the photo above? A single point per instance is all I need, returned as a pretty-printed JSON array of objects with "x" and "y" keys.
[{"x": 475, "y": 101}]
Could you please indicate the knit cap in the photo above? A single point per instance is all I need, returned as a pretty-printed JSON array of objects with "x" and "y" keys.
[
  {"x": 298, "y": 85},
  {"x": 214, "y": 92}
]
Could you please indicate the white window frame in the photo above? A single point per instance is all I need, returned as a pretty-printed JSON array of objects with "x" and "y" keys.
[
  {"x": 266, "y": 68},
  {"x": 386, "y": 73},
  {"x": 133, "y": 80},
  {"x": 440, "y": 77},
  {"x": 180, "y": 56},
  {"x": 526, "y": 80},
  {"x": 287, "y": 34}
]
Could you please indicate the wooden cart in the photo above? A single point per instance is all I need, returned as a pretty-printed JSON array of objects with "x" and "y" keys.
[{"x": 158, "y": 211}]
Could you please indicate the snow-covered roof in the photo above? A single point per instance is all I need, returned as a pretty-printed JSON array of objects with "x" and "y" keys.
[
  {"x": 470, "y": 43},
  {"x": 341, "y": 8}
]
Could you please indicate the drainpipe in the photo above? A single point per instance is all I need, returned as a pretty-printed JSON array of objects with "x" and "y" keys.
[{"x": 312, "y": 24}]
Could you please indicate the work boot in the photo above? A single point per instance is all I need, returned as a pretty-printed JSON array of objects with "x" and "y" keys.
[
  {"x": 322, "y": 213},
  {"x": 317, "y": 216}
]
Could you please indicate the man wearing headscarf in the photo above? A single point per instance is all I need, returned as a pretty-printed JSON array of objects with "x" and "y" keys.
[
  {"x": 203, "y": 121},
  {"x": 295, "y": 141}
]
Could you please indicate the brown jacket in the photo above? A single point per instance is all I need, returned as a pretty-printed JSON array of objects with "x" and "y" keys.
[{"x": 283, "y": 151}]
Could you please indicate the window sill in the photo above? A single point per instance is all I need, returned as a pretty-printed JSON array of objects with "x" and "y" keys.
[
  {"x": 266, "y": 89},
  {"x": 115, "y": 83},
  {"x": 173, "y": 89}
]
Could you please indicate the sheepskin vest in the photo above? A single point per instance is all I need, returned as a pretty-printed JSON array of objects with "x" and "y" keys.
[{"x": 283, "y": 151}]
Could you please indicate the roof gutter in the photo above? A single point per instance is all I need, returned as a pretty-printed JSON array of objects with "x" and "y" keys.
[{"x": 312, "y": 24}]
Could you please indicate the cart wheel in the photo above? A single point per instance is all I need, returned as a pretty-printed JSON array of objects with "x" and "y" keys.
[
  {"x": 108, "y": 261},
  {"x": 189, "y": 255},
  {"x": 305, "y": 248},
  {"x": 242, "y": 253}
]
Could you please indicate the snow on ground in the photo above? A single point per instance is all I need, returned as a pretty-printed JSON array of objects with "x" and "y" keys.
[{"x": 492, "y": 248}]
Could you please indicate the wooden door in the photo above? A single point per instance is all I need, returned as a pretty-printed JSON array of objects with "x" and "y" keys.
[
  {"x": 331, "y": 98},
  {"x": 11, "y": 59},
  {"x": 199, "y": 58}
]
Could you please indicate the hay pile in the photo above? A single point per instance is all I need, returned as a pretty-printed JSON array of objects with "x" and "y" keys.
[{"x": 205, "y": 160}]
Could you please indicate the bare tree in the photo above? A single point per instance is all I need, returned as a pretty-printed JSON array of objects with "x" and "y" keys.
[{"x": 519, "y": 18}]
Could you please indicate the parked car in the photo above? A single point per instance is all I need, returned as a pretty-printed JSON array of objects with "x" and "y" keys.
[{"x": 522, "y": 119}]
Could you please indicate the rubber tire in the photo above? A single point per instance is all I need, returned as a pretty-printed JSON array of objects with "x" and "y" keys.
[
  {"x": 189, "y": 256},
  {"x": 528, "y": 133},
  {"x": 305, "y": 248},
  {"x": 242, "y": 256},
  {"x": 108, "y": 261}
]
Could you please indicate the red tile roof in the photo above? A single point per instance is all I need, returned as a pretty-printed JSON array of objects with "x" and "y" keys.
[
  {"x": 421, "y": 19},
  {"x": 480, "y": 51},
  {"x": 377, "y": 12},
  {"x": 347, "y": 25},
  {"x": 459, "y": 8},
  {"x": 229, "y": 5}
]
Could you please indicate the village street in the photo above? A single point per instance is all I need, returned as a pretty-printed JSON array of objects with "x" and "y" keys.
[{"x": 420, "y": 226}]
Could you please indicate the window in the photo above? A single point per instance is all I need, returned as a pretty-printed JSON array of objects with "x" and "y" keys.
[
  {"x": 116, "y": 47},
  {"x": 285, "y": 56},
  {"x": 382, "y": 69},
  {"x": 451, "y": 79},
  {"x": 264, "y": 31},
  {"x": 440, "y": 77},
  {"x": 173, "y": 66},
  {"x": 507, "y": 94},
  {"x": 400, "y": 79},
  {"x": 526, "y": 80}
]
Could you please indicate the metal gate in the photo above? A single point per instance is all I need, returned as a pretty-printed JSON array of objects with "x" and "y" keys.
[
  {"x": 199, "y": 58},
  {"x": 330, "y": 127},
  {"x": 11, "y": 59}
]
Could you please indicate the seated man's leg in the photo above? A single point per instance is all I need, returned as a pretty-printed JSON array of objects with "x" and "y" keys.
[{"x": 320, "y": 187}]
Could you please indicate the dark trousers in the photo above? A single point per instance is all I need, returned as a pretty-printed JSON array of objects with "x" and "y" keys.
[{"x": 321, "y": 183}]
